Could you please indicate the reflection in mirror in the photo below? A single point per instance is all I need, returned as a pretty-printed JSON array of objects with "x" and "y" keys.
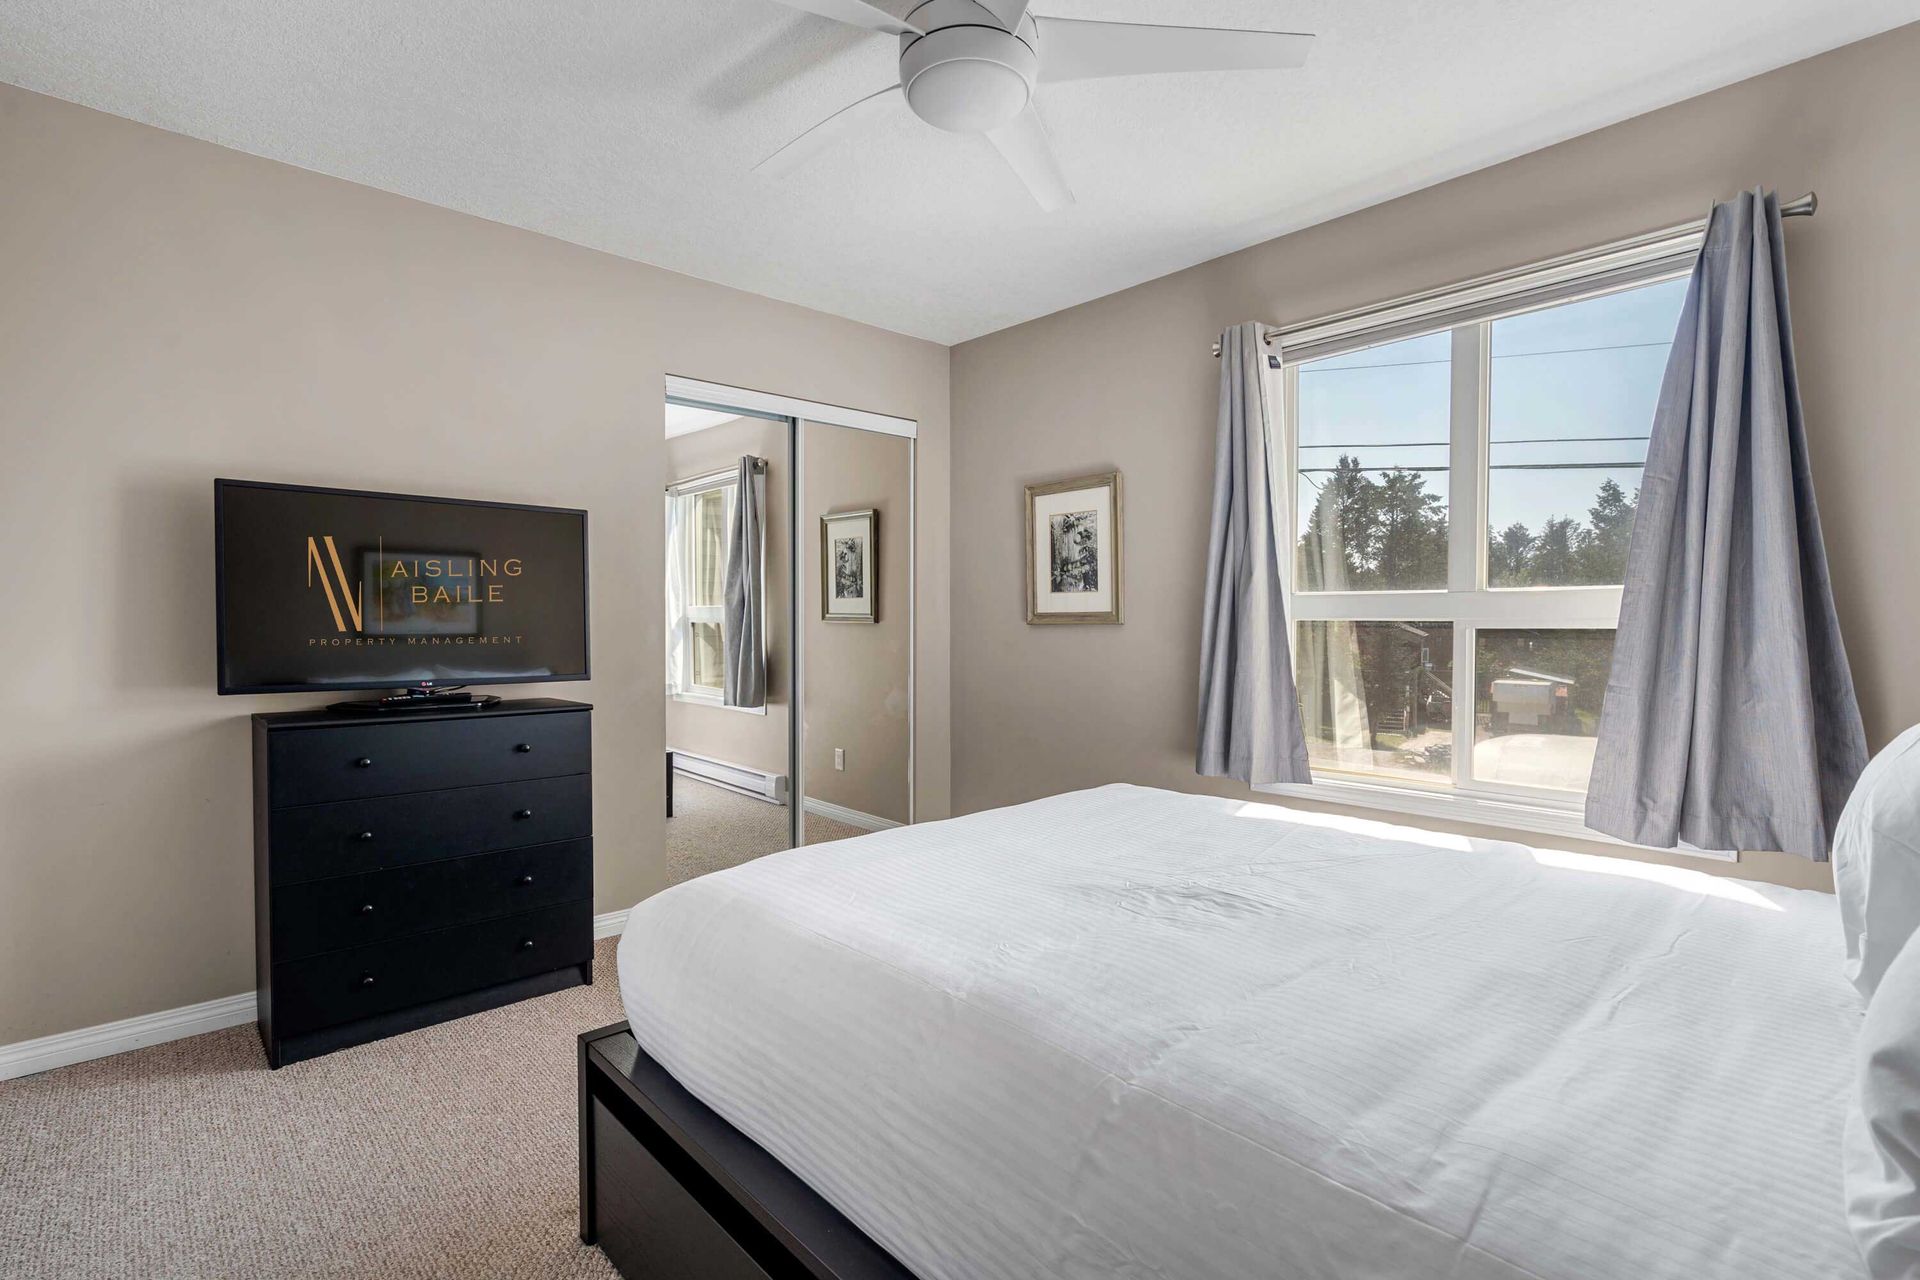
[
  {"x": 727, "y": 571},
  {"x": 856, "y": 546}
]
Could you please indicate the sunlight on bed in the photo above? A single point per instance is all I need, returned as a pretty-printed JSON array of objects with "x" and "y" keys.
[
  {"x": 1698, "y": 883},
  {"x": 1362, "y": 827},
  {"x": 1695, "y": 882}
]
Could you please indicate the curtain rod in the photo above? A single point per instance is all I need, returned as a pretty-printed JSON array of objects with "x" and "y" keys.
[
  {"x": 1799, "y": 207},
  {"x": 724, "y": 473}
]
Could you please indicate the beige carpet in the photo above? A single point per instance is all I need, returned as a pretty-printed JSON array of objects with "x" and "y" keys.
[
  {"x": 447, "y": 1152},
  {"x": 713, "y": 828}
]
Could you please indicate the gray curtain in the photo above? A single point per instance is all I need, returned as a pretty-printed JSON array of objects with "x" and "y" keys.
[
  {"x": 1730, "y": 720},
  {"x": 1249, "y": 716},
  {"x": 742, "y": 628}
]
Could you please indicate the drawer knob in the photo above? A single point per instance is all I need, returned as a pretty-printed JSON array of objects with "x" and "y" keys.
[
  {"x": 521, "y": 815},
  {"x": 523, "y": 747},
  {"x": 366, "y": 908},
  {"x": 526, "y": 879},
  {"x": 526, "y": 944},
  {"x": 366, "y": 980},
  {"x": 364, "y": 835},
  {"x": 364, "y": 762}
]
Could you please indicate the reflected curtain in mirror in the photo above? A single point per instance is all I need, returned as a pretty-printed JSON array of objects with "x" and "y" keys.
[
  {"x": 679, "y": 643},
  {"x": 744, "y": 623}
]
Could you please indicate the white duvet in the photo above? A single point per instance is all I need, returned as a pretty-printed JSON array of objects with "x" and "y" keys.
[{"x": 1134, "y": 1033}]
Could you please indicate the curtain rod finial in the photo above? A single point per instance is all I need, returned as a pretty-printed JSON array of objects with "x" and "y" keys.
[{"x": 1267, "y": 335}]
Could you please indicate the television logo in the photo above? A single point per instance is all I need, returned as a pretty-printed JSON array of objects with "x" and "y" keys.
[{"x": 348, "y": 593}]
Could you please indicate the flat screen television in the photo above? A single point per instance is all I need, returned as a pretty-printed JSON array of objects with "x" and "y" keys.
[{"x": 339, "y": 589}]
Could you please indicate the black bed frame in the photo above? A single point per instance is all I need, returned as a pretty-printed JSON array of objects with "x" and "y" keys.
[{"x": 668, "y": 1189}]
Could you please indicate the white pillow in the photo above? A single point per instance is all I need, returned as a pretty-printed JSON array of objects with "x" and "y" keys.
[
  {"x": 1883, "y": 1130},
  {"x": 1876, "y": 862}
]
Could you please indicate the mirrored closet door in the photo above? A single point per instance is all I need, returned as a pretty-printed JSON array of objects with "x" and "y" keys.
[
  {"x": 729, "y": 571},
  {"x": 789, "y": 552},
  {"x": 854, "y": 538}
]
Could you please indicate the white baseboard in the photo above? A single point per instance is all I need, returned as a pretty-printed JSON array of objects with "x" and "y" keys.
[
  {"x": 29, "y": 1057},
  {"x": 68, "y": 1047},
  {"x": 852, "y": 817},
  {"x": 758, "y": 783}
]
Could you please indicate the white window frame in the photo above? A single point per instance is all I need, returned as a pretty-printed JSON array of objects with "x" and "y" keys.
[
  {"x": 704, "y": 695},
  {"x": 1467, "y": 602}
]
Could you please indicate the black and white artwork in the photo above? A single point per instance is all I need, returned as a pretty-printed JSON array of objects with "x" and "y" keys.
[
  {"x": 849, "y": 573},
  {"x": 1075, "y": 555},
  {"x": 849, "y": 559},
  {"x": 1073, "y": 550}
]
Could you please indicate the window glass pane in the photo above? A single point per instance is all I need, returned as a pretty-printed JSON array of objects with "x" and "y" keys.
[
  {"x": 709, "y": 548},
  {"x": 1573, "y": 392},
  {"x": 1371, "y": 459},
  {"x": 707, "y": 655},
  {"x": 1377, "y": 697},
  {"x": 1537, "y": 705}
]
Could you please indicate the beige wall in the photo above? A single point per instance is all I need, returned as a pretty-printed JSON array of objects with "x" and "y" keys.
[
  {"x": 718, "y": 733},
  {"x": 855, "y": 677},
  {"x": 171, "y": 311},
  {"x": 1127, "y": 382}
]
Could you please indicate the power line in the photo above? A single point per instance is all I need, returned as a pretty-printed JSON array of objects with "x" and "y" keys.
[
  {"x": 1510, "y": 355},
  {"x": 1492, "y": 466},
  {"x": 1389, "y": 467},
  {"x": 1440, "y": 444},
  {"x": 1573, "y": 351},
  {"x": 1561, "y": 439},
  {"x": 1566, "y": 466}
]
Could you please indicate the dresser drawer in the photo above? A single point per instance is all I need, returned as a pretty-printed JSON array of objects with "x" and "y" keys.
[
  {"x": 341, "y": 986},
  {"x": 350, "y": 762},
  {"x": 348, "y": 911},
  {"x": 354, "y": 836}
]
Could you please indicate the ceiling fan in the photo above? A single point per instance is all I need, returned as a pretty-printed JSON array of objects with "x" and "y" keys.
[{"x": 971, "y": 66}]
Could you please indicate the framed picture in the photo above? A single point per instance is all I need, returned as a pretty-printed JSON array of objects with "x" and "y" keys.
[
  {"x": 849, "y": 566},
  {"x": 1073, "y": 550}
]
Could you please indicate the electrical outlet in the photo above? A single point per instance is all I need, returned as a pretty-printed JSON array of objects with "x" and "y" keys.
[{"x": 840, "y": 758}]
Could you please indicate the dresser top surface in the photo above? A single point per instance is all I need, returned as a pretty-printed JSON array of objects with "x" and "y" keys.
[{"x": 321, "y": 718}]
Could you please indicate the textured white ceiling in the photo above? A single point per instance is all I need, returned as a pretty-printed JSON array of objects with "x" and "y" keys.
[
  {"x": 630, "y": 126},
  {"x": 683, "y": 419}
]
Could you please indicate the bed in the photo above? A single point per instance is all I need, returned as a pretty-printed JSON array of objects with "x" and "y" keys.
[{"x": 1130, "y": 1032}]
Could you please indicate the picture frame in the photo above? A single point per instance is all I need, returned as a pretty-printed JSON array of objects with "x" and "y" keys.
[
  {"x": 1075, "y": 551},
  {"x": 850, "y": 566}
]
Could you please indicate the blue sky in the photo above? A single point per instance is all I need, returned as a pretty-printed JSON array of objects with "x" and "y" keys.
[{"x": 1563, "y": 378}]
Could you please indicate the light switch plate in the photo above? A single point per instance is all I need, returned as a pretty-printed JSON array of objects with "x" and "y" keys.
[{"x": 840, "y": 758}]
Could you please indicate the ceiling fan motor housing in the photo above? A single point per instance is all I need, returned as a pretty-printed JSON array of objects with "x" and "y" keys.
[{"x": 967, "y": 74}]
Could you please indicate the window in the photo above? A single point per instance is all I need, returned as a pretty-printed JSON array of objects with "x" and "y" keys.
[
  {"x": 697, "y": 521},
  {"x": 1572, "y": 391},
  {"x": 1462, "y": 501},
  {"x": 1371, "y": 472}
]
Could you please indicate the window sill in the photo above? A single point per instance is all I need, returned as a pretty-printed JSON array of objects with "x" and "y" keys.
[
  {"x": 1533, "y": 816},
  {"x": 716, "y": 701}
]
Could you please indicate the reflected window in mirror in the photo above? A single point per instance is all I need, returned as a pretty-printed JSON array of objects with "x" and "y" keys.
[{"x": 697, "y": 522}]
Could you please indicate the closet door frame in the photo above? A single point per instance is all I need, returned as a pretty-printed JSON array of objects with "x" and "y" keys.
[{"x": 797, "y": 412}]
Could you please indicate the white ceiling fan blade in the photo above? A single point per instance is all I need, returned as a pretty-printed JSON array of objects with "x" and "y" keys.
[
  {"x": 1009, "y": 12},
  {"x": 856, "y": 13},
  {"x": 1074, "y": 50},
  {"x": 847, "y": 120},
  {"x": 1024, "y": 145}
]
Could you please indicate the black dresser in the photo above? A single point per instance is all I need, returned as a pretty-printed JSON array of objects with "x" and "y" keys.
[{"x": 412, "y": 867}]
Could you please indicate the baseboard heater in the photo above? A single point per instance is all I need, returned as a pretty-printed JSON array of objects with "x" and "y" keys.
[{"x": 758, "y": 783}]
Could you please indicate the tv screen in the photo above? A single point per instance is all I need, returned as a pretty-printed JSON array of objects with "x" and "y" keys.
[{"x": 337, "y": 589}]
